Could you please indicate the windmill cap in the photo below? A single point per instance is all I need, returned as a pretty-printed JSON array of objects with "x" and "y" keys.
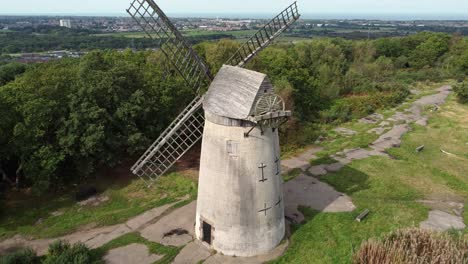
[{"x": 234, "y": 92}]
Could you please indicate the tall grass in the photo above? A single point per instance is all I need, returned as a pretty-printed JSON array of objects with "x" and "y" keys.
[{"x": 414, "y": 246}]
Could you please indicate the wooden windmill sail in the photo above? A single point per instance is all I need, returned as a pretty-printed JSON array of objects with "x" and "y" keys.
[{"x": 187, "y": 129}]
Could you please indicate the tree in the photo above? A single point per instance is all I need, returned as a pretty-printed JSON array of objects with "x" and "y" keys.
[{"x": 9, "y": 72}]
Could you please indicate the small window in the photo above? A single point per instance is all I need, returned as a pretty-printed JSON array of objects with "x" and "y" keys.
[{"x": 232, "y": 148}]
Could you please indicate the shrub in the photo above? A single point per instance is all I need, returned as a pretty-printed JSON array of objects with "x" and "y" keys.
[
  {"x": 62, "y": 252},
  {"x": 461, "y": 89},
  {"x": 24, "y": 256},
  {"x": 413, "y": 246}
]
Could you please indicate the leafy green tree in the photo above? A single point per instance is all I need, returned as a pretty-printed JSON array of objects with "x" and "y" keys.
[
  {"x": 9, "y": 72},
  {"x": 427, "y": 53}
]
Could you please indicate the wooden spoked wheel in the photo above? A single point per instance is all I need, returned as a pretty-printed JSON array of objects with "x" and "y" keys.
[{"x": 269, "y": 103}]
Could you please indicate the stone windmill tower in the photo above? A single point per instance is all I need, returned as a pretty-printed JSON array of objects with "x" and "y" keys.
[{"x": 240, "y": 200}]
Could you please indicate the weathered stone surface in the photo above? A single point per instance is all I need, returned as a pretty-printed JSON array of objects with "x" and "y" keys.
[
  {"x": 94, "y": 200},
  {"x": 335, "y": 167},
  {"x": 308, "y": 191},
  {"x": 390, "y": 139},
  {"x": 371, "y": 119},
  {"x": 301, "y": 161},
  {"x": 422, "y": 121},
  {"x": 175, "y": 229},
  {"x": 345, "y": 131},
  {"x": 318, "y": 170},
  {"x": 146, "y": 217},
  {"x": 18, "y": 242},
  {"x": 104, "y": 238},
  {"x": 451, "y": 207},
  {"x": 384, "y": 123},
  {"x": 377, "y": 130},
  {"x": 359, "y": 153},
  {"x": 442, "y": 221},
  {"x": 192, "y": 253},
  {"x": 274, "y": 254},
  {"x": 93, "y": 238},
  {"x": 133, "y": 253}
]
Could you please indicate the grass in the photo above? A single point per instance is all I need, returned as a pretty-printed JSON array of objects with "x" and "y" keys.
[
  {"x": 124, "y": 202},
  {"x": 291, "y": 175},
  {"x": 323, "y": 161},
  {"x": 389, "y": 188},
  {"x": 336, "y": 142},
  {"x": 169, "y": 252}
]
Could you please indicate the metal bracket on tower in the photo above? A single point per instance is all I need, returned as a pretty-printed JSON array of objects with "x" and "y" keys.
[{"x": 246, "y": 134}]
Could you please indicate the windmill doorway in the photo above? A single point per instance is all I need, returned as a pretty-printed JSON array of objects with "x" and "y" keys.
[{"x": 207, "y": 232}]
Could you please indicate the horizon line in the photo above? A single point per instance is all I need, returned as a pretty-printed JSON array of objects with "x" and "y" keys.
[{"x": 263, "y": 15}]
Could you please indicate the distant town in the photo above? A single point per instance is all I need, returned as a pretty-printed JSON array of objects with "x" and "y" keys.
[
  {"x": 74, "y": 36},
  {"x": 126, "y": 24}
]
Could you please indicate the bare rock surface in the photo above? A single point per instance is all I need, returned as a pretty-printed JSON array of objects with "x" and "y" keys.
[
  {"x": 272, "y": 255},
  {"x": 451, "y": 207},
  {"x": 390, "y": 139},
  {"x": 372, "y": 119},
  {"x": 104, "y": 238},
  {"x": 442, "y": 221},
  {"x": 94, "y": 238},
  {"x": 147, "y": 216},
  {"x": 301, "y": 161},
  {"x": 310, "y": 192},
  {"x": 192, "y": 253},
  {"x": 345, "y": 131},
  {"x": 133, "y": 253},
  {"x": 94, "y": 200},
  {"x": 174, "y": 229},
  {"x": 318, "y": 170}
]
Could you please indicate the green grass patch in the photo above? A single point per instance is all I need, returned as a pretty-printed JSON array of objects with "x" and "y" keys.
[
  {"x": 389, "y": 188},
  {"x": 169, "y": 252},
  {"x": 292, "y": 174},
  {"x": 336, "y": 142},
  {"x": 323, "y": 161},
  {"x": 334, "y": 237},
  {"x": 124, "y": 203}
]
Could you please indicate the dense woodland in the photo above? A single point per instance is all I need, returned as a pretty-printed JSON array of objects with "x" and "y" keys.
[
  {"x": 63, "y": 119},
  {"x": 46, "y": 38}
]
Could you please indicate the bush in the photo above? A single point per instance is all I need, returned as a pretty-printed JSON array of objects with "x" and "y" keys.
[
  {"x": 62, "y": 252},
  {"x": 413, "y": 246},
  {"x": 461, "y": 89},
  {"x": 357, "y": 106},
  {"x": 24, "y": 256}
]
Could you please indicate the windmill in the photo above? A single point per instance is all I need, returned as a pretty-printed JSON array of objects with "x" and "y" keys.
[{"x": 240, "y": 200}]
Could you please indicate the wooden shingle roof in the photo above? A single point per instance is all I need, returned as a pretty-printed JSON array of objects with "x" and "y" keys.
[{"x": 234, "y": 91}]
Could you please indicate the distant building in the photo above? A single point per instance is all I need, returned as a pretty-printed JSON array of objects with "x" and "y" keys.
[{"x": 65, "y": 23}]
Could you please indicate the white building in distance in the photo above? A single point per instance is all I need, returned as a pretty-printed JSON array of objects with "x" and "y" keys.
[{"x": 65, "y": 23}]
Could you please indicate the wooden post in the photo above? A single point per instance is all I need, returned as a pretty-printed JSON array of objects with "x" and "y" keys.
[
  {"x": 363, "y": 215},
  {"x": 420, "y": 148}
]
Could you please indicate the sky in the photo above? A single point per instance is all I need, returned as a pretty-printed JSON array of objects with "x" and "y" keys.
[{"x": 432, "y": 7}]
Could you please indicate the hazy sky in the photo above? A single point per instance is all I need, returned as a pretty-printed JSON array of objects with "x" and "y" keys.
[{"x": 233, "y": 6}]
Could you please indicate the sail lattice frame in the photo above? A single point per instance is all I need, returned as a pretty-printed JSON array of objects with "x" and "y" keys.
[
  {"x": 157, "y": 26},
  {"x": 265, "y": 36},
  {"x": 183, "y": 133}
]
